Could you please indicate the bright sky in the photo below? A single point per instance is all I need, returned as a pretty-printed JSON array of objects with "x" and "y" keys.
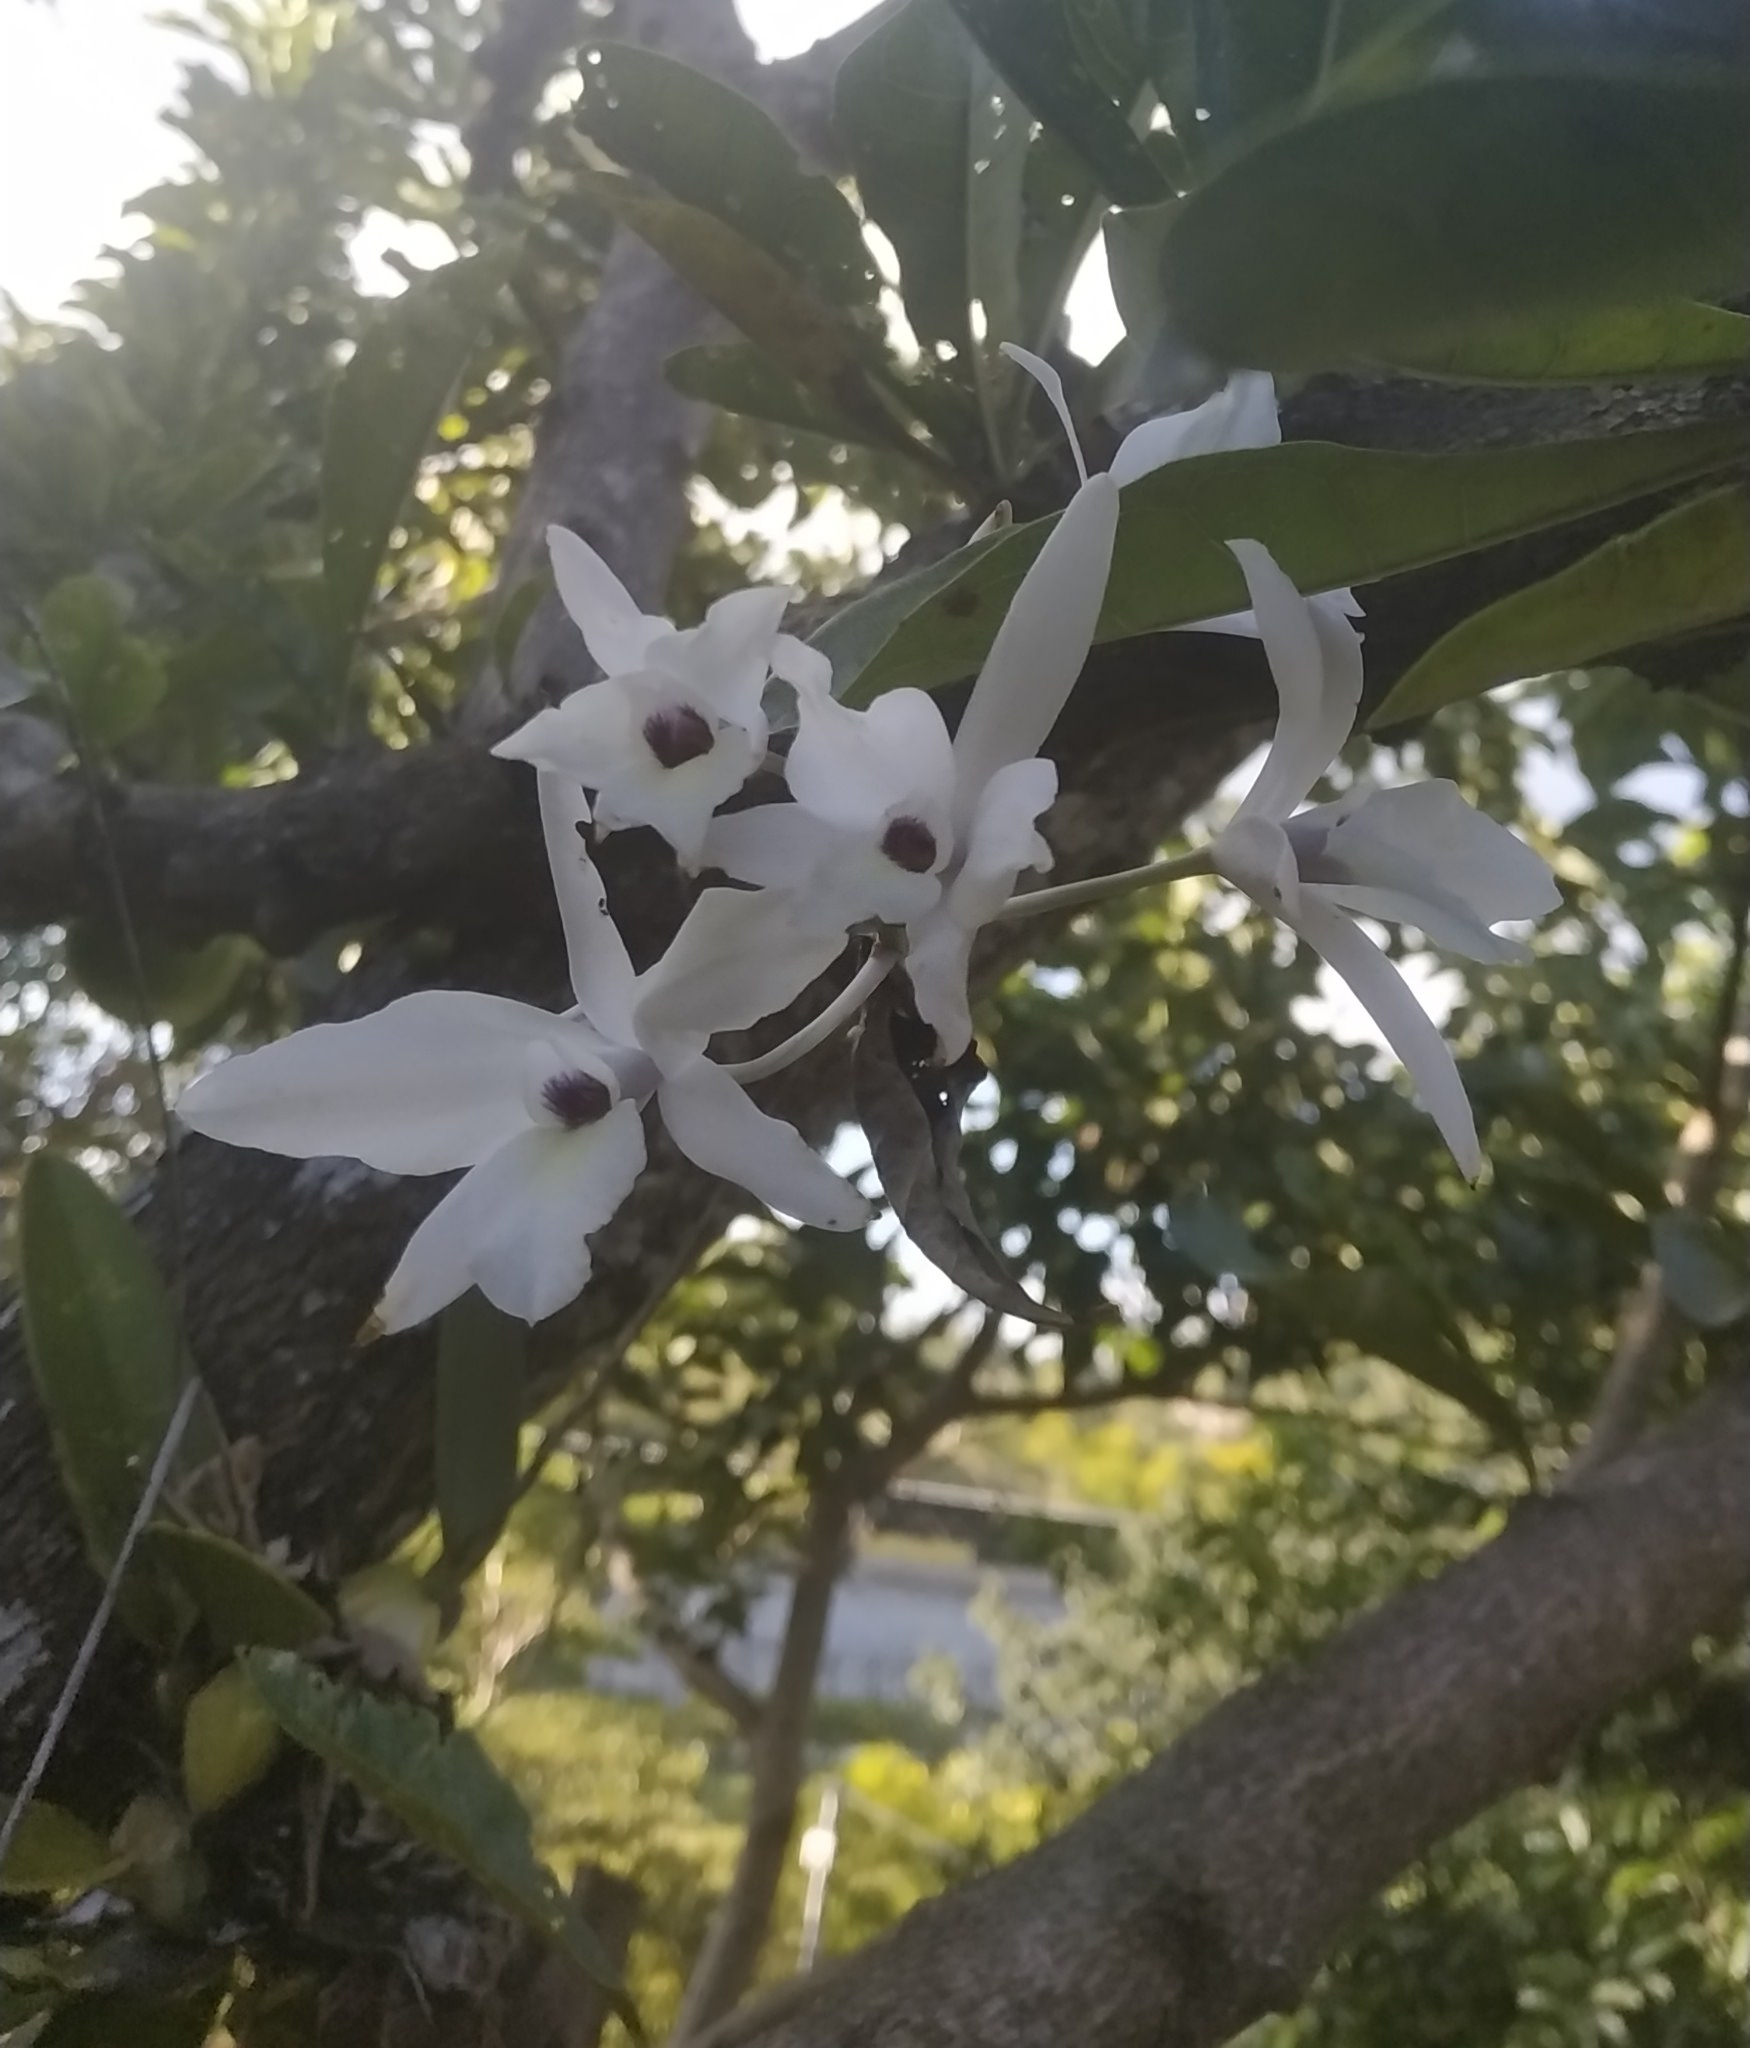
[{"x": 82, "y": 85}]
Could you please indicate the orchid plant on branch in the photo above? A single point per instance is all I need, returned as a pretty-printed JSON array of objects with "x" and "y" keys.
[{"x": 897, "y": 838}]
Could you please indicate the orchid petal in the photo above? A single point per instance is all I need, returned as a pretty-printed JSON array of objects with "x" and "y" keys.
[
  {"x": 774, "y": 846},
  {"x": 1041, "y": 644},
  {"x": 1242, "y": 414},
  {"x": 1244, "y": 625},
  {"x": 736, "y": 958},
  {"x": 1051, "y": 384},
  {"x": 516, "y": 1227},
  {"x": 725, "y": 659},
  {"x": 803, "y": 667},
  {"x": 1407, "y": 1028},
  {"x": 601, "y": 968},
  {"x": 1315, "y": 658},
  {"x": 713, "y": 1121},
  {"x": 1448, "y": 925},
  {"x": 1003, "y": 839},
  {"x": 592, "y": 737},
  {"x": 1257, "y": 855},
  {"x": 856, "y": 768},
  {"x": 432, "y": 1082},
  {"x": 937, "y": 964},
  {"x": 1429, "y": 831},
  {"x": 617, "y": 634}
]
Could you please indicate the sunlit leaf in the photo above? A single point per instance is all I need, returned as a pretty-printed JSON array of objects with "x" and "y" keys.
[
  {"x": 382, "y": 415},
  {"x": 440, "y": 1787},
  {"x": 1688, "y": 568},
  {"x": 757, "y": 295},
  {"x": 53, "y": 1851},
  {"x": 710, "y": 147},
  {"x": 229, "y": 1741},
  {"x": 1670, "y": 338},
  {"x": 480, "y": 1361},
  {"x": 1404, "y": 222},
  {"x": 114, "y": 679},
  {"x": 1331, "y": 516}
]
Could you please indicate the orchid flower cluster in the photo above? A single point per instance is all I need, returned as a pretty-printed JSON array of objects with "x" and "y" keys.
[{"x": 896, "y": 830}]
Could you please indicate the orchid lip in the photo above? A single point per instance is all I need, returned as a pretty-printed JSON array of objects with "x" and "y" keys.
[
  {"x": 910, "y": 845},
  {"x": 678, "y": 734},
  {"x": 576, "y": 1099}
]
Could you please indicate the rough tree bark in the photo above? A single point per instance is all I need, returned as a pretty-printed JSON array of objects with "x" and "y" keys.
[{"x": 1203, "y": 1892}]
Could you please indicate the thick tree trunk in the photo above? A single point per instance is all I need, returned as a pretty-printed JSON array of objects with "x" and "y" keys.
[
  {"x": 1203, "y": 1893},
  {"x": 777, "y": 1765}
]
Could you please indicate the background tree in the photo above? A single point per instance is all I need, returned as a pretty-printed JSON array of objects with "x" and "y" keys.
[{"x": 283, "y": 590}]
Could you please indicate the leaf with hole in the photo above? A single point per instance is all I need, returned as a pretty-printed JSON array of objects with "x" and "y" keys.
[
  {"x": 1404, "y": 222},
  {"x": 1687, "y": 568},
  {"x": 1331, "y": 516},
  {"x": 442, "y": 1788}
]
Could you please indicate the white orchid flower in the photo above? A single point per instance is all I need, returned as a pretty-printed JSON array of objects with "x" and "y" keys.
[
  {"x": 543, "y": 1110},
  {"x": 894, "y": 820},
  {"x": 1418, "y": 855},
  {"x": 675, "y": 726}
]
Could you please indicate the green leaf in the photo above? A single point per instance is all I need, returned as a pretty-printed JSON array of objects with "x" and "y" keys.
[
  {"x": 758, "y": 296},
  {"x": 1068, "y": 71},
  {"x": 709, "y": 147},
  {"x": 184, "y": 986},
  {"x": 1689, "y": 567},
  {"x": 902, "y": 102},
  {"x": 1401, "y": 224},
  {"x": 1669, "y": 338},
  {"x": 106, "y": 1355},
  {"x": 480, "y": 1372},
  {"x": 241, "y": 1597},
  {"x": 442, "y": 1788},
  {"x": 741, "y": 378},
  {"x": 382, "y": 414},
  {"x": 53, "y": 1851},
  {"x": 115, "y": 680},
  {"x": 1330, "y": 515},
  {"x": 1706, "y": 1272}
]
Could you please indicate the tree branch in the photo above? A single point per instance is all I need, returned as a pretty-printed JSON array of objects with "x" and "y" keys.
[
  {"x": 1650, "y": 1327},
  {"x": 1203, "y": 1893}
]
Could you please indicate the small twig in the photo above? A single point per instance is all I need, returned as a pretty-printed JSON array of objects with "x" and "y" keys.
[
  {"x": 1649, "y": 1327},
  {"x": 63, "y": 1708},
  {"x": 1097, "y": 888},
  {"x": 839, "y": 1012}
]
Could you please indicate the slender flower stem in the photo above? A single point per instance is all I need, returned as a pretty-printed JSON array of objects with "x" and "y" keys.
[
  {"x": 1096, "y": 889},
  {"x": 843, "y": 1007}
]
